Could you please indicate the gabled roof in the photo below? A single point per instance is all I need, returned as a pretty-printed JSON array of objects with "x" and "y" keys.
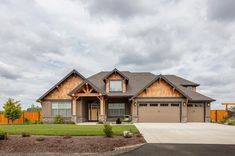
[
  {"x": 191, "y": 95},
  {"x": 137, "y": 80},
  {"x": 181, "y": 81},
  {"x": 75, "y": 72},
  {"x": 164, "y": 78},
  {"x": 116, "y": 71},
  {"x": 86, "y": 81}
]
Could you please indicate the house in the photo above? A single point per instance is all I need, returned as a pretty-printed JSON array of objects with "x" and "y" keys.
[{"x": 140, "y": 96}]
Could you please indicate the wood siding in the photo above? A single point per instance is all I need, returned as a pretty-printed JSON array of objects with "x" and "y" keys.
[
  {"x": 160, "y": 88},
  {"x": 63, "y": 89}
]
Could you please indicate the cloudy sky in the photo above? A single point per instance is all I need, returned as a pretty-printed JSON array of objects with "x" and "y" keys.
[{"x": 42, "y": 40}]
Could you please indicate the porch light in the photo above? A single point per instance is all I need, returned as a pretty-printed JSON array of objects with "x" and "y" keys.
[
  {"x": 208, "y": 104},
  {"x": 184, "y": 103}
]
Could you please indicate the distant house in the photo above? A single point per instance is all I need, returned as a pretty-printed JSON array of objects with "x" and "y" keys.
[{"x": 141, "y": 96}]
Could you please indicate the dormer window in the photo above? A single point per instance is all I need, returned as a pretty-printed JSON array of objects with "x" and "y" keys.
[
  {"x": 189, "y": 87},
  {"x": 115, "y": 86}
]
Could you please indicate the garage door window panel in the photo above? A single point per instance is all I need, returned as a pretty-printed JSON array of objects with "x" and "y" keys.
[
  {"x": 164, "y": 105},
  {"x": 175, "y": 105},
  {"x": 143, "y": 105},
  {"x": 153, "y": 105}
]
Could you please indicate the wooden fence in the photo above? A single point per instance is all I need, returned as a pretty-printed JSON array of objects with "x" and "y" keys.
[
  {"x": 218, "y": 115},
  {"x": 32, "y": 116}
]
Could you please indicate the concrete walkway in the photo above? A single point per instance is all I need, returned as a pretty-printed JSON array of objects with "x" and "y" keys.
[{"x": 194, "y": 133}]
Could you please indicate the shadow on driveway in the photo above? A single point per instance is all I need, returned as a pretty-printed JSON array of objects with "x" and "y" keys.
[{"x": 182, "y": 150}]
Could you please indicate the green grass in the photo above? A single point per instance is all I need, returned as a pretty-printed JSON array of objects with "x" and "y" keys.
[{"x": 65, "y": 129}]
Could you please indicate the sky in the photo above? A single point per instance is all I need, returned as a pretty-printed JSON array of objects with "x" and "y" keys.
[{"x": 43, "y": 40}]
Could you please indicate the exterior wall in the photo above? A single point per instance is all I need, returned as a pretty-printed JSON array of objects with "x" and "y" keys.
[
  {"x": 63, "y": 89},
  {"x": 160, "y": 88},
  {"x": 207, "y": 112},
  {"x": 184, "y": 111},
  {"x": 115, "y": 76},
  {"x": 47, "y": 113}
]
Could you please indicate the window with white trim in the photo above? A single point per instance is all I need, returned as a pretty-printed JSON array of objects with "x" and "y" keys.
[
  {"x": 116, "y": 109},
  {"x": 62, "y": 108},
  {"x": 115, "y": 85}
]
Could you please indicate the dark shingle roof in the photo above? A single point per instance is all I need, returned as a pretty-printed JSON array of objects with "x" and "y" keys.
[{"x": 139, "y": 80}]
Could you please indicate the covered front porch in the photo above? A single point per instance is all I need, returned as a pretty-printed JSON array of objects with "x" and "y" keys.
[{"x": 90, "y": 105}]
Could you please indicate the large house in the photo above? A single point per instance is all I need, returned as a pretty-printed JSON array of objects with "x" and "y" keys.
[{"x": 139, "y": 96}]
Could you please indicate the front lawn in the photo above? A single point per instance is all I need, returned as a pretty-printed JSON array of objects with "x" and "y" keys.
[{"x": 65, "y": 129}]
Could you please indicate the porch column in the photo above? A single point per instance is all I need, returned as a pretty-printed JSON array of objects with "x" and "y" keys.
[
  {"x": 102, "y": 115},
  {"x": 74, "y": 109}
]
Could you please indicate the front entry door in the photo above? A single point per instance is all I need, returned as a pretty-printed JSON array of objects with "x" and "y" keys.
[{"x": 93, "y": 110}]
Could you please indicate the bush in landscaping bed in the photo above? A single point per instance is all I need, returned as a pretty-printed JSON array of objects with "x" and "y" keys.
[
  {"x": 58, "y": 119},
  {"x": 118, "y": 121},
  {"x": 3, "y": 135},
  {"x": 231, "y": 121},
  {"x": 40, "y": 139},
  {"x": 25, "y": 134},
  {"x": 108, "y": 130}
]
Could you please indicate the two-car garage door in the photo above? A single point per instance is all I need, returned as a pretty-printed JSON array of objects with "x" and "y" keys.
[{"x": 159, "y": 112}]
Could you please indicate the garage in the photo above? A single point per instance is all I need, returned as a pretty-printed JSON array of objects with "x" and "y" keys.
[
  {"x": 196, "y": 112},
  {"x": 159, "y": 112}
]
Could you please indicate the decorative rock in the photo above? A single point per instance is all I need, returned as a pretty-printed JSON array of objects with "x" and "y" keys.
[{"x": 127, "y": 134}]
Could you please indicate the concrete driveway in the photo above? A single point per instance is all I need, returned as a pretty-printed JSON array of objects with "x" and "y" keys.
[{"x": 194, "y": 133}]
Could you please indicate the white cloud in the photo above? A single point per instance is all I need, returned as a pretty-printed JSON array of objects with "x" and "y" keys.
[{"x": 42, "y": 40}]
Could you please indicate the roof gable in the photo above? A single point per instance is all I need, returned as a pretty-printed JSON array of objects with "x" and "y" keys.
[
  {"x": 165, "y": 79},
  {"x": 116, "y": 71},
  {"x": 73, "y": 72},
  {"x": 86, "y": 81}
]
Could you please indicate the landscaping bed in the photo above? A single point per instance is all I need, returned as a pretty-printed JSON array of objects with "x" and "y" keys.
[{"x": 65, "y": 144}]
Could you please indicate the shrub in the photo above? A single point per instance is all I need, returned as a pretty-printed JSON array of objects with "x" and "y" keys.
[
  {"x": 40, "y": 139},
  {"x": 139, "y": 135},
  {"x": 100, "y": 122},
  {"x": 118, "y": 121},
  {"x": 3, "y": 135},
  {"x": 231, "y": 121},
  {"x": 25, "y": 134},
  {"x": 27, "y": 121},
  {"x": 58, "y": 119},
  {"x": 108, "y": 130}
]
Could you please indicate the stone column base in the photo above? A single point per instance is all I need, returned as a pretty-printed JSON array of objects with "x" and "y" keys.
[
  {"x": 102, "y": 118},
  {"x": 134, "y": 119},
  {"x": 74, "y": 118},
  {"x": 184, "y": 119},
  {"x": 207, "y": 119}
]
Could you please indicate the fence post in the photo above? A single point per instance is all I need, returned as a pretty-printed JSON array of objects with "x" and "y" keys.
[
  {"x": 216, "y": 116},
  {"x": 23, "y": 117}
]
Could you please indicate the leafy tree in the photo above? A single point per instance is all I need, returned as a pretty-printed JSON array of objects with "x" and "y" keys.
[
  {"x": 12, "y": 110},
  {"x": 233, "y": 108},
  {"x": 34, "y": 108}
]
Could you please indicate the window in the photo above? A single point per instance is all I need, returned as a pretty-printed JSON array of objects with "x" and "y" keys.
[
  {"x": 174, "y": 105},
  {"x": 61, "y": 108},
  {"x": 115, "y": 86},
  {"x": 116, "y": 109},
  {"x": 153, "y": 105},
  {"x": 143, "y": 105},
  {"x": 164, "y": 105}
]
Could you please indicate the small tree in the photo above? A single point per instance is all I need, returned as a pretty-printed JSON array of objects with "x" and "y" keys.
[{"x": 12, "y": 110}]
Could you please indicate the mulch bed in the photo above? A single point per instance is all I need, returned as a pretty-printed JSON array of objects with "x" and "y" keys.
[{"x": 60, "y": 144}]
